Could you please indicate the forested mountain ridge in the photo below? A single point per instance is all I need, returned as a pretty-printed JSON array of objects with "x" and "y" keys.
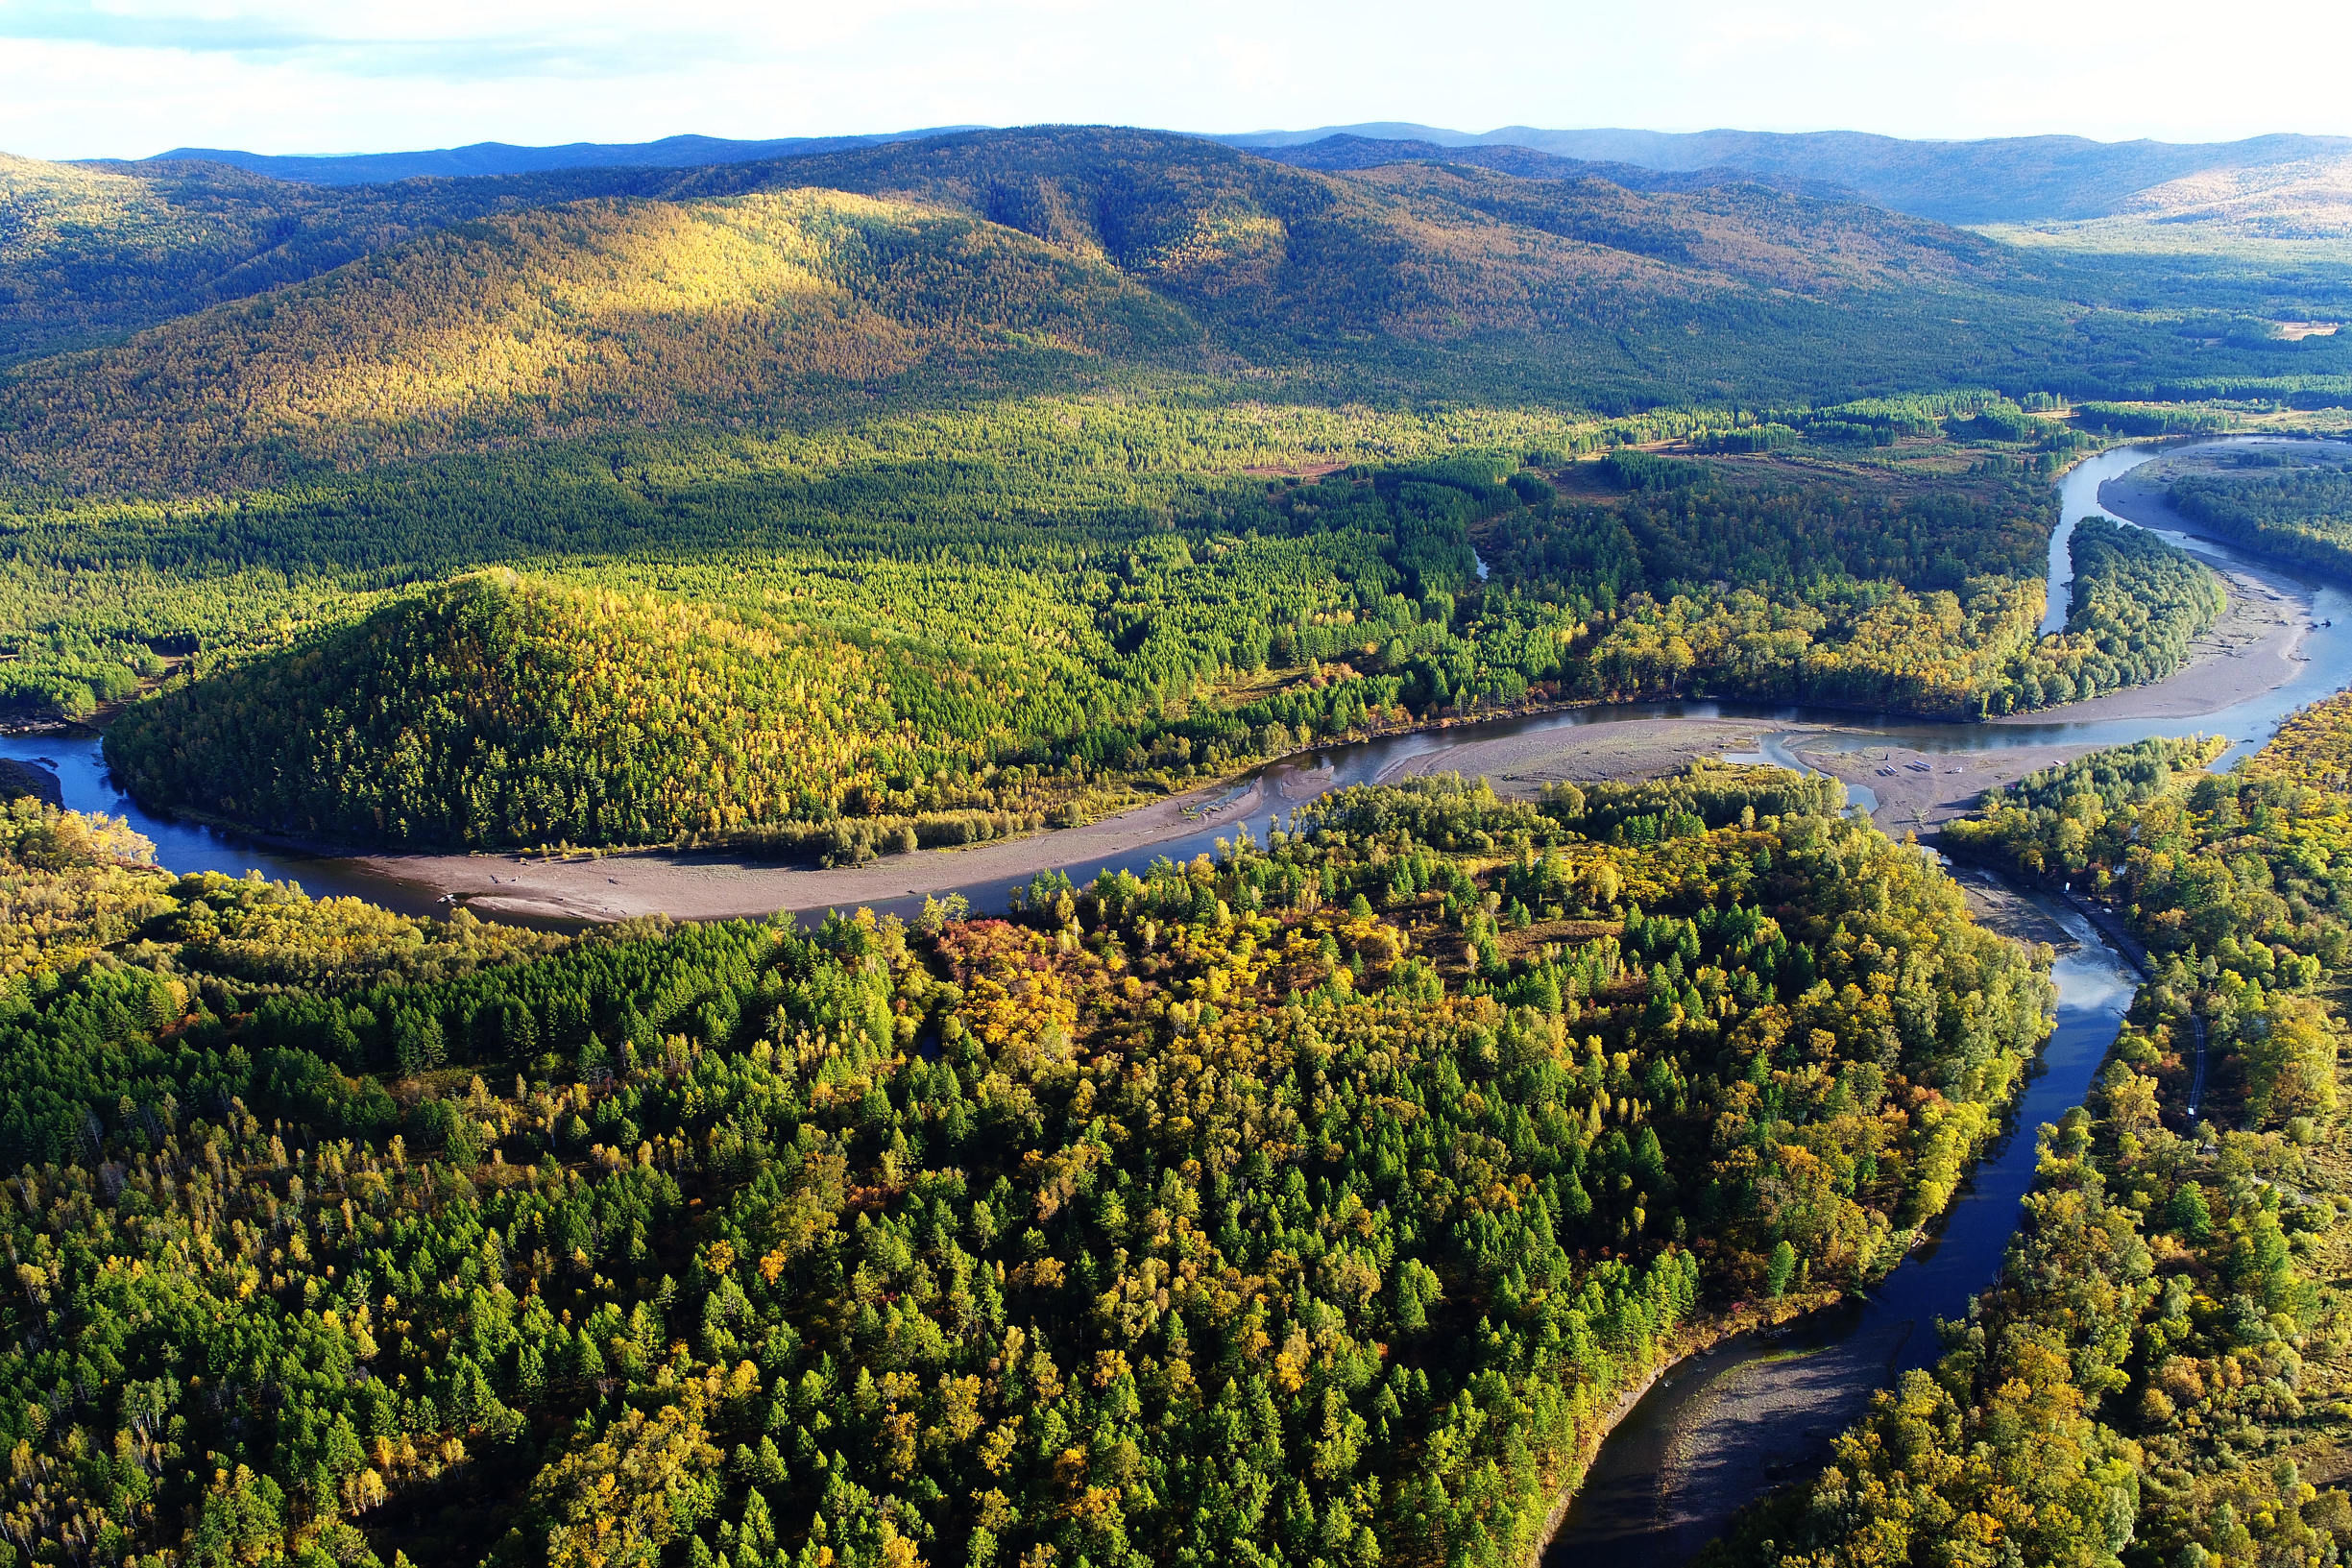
[
  {"x": 90, "y": 252},
  {"x": 1312, "y": 1203},
  {"x": 497, "y": 157},
  {"x": 1410, "y": 282},
  {"x": 612, "y": 311},
  {"x": 1344, "y": 152},
  {"x": 1994, "y": 180},
  {"x": 1151, "y": 200},
  {"x": 99, "y": 248}
]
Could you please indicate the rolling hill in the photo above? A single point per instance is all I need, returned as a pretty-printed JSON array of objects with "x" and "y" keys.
[
  {"x": 959, "y": 267},
  {"x": 494, "y": 711},
  {"x": 89, "y": 252},
  {"x": 578, "y": 316}
]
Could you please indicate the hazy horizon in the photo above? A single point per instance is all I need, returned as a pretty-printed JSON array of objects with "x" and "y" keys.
[
  {"x": 127, "y": 79},
  {"x": 1290, "y": 134}
]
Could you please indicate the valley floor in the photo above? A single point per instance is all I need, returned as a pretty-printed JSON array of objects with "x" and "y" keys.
[{"x": 2254, "y": 648}]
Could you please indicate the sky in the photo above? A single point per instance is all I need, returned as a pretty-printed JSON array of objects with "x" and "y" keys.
[{"x": 129, "y": 78}]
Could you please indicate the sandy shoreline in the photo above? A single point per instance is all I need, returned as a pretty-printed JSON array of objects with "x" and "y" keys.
[
  {"x": 2256, "y": 646},
  {"x": 1521, "y": 764},
  {"x": 716, "y": 885}
]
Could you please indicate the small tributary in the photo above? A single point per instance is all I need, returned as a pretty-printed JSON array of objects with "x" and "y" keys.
[{"x": 1759, "y": 1411}]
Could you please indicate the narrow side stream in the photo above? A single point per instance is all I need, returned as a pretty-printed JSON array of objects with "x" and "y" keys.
[{"x": 1760, "y": 1410}]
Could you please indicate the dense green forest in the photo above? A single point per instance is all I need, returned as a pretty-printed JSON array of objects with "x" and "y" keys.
[
  {"x": 1304, "y": 1205},
  {"x": 1416, "y": 279},
  {"x": 935, "y": 491},
  {"x": 2161, "y": 1375},
  {"x": 1311, "y": 1203},
  {"x": 837, "y": 703},
  {"x": 2299, "y": 514}
]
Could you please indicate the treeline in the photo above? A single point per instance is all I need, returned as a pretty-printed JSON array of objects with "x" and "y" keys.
[
  {"x": 1311, "y": 1203},
  {"x": 2147, "y": 419},
  {"x": 2138, "y": 604},
  {"x": 2159, "y": 1375},
  {"x": 2302, "y": 516},
  {"x": 1916, "y": 598},
  {"x": 944, "y": 680}
]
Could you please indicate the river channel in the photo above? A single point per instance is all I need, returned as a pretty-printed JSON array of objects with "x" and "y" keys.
[
  {"x": 1755, "y": 1411},
  {"x": 1282, "y": 785}
]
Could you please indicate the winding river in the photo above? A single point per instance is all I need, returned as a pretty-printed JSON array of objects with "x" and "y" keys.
[{"x": 1728, "y": 1425}]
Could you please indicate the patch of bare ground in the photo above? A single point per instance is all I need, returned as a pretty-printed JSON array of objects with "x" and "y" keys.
[
  {"x": 1919, "y": 791},
  {"x": 1522, "y": 764},
  {"x": 1292, "y": 470},
  {"x": 719, "y": 886},
  {"x": 1997, "y": 906}
]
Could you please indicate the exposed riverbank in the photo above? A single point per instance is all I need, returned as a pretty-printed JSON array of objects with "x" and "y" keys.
[
  {"x": 1524, "y": 762},
  {"x": 1692, "y": 1341},
  {"x": 2256, "y": 648},
  {"x": 716, "y": 885},
  {"x": 1727, "y": 1425}
]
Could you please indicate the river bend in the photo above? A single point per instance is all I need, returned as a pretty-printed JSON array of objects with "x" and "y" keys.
[{"x": 1727, "y": 1426}]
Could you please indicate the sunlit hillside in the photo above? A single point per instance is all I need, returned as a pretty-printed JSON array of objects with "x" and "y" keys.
[
  {"x": 952, "y": 271},
  {"x": 640, "y": 312},
  {"x": 89, "y": 251}
]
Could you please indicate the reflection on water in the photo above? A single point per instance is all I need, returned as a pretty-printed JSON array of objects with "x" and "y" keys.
[{"x": 81, "y": 776}]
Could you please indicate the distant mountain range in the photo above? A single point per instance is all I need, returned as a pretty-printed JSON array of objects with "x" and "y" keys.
[
  {"x": 494, "y": 158},
  {"x": 1345, "y": 152},
  {"x": 2277, "y": 187},
  {"x": 2002, "y": 179}
]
